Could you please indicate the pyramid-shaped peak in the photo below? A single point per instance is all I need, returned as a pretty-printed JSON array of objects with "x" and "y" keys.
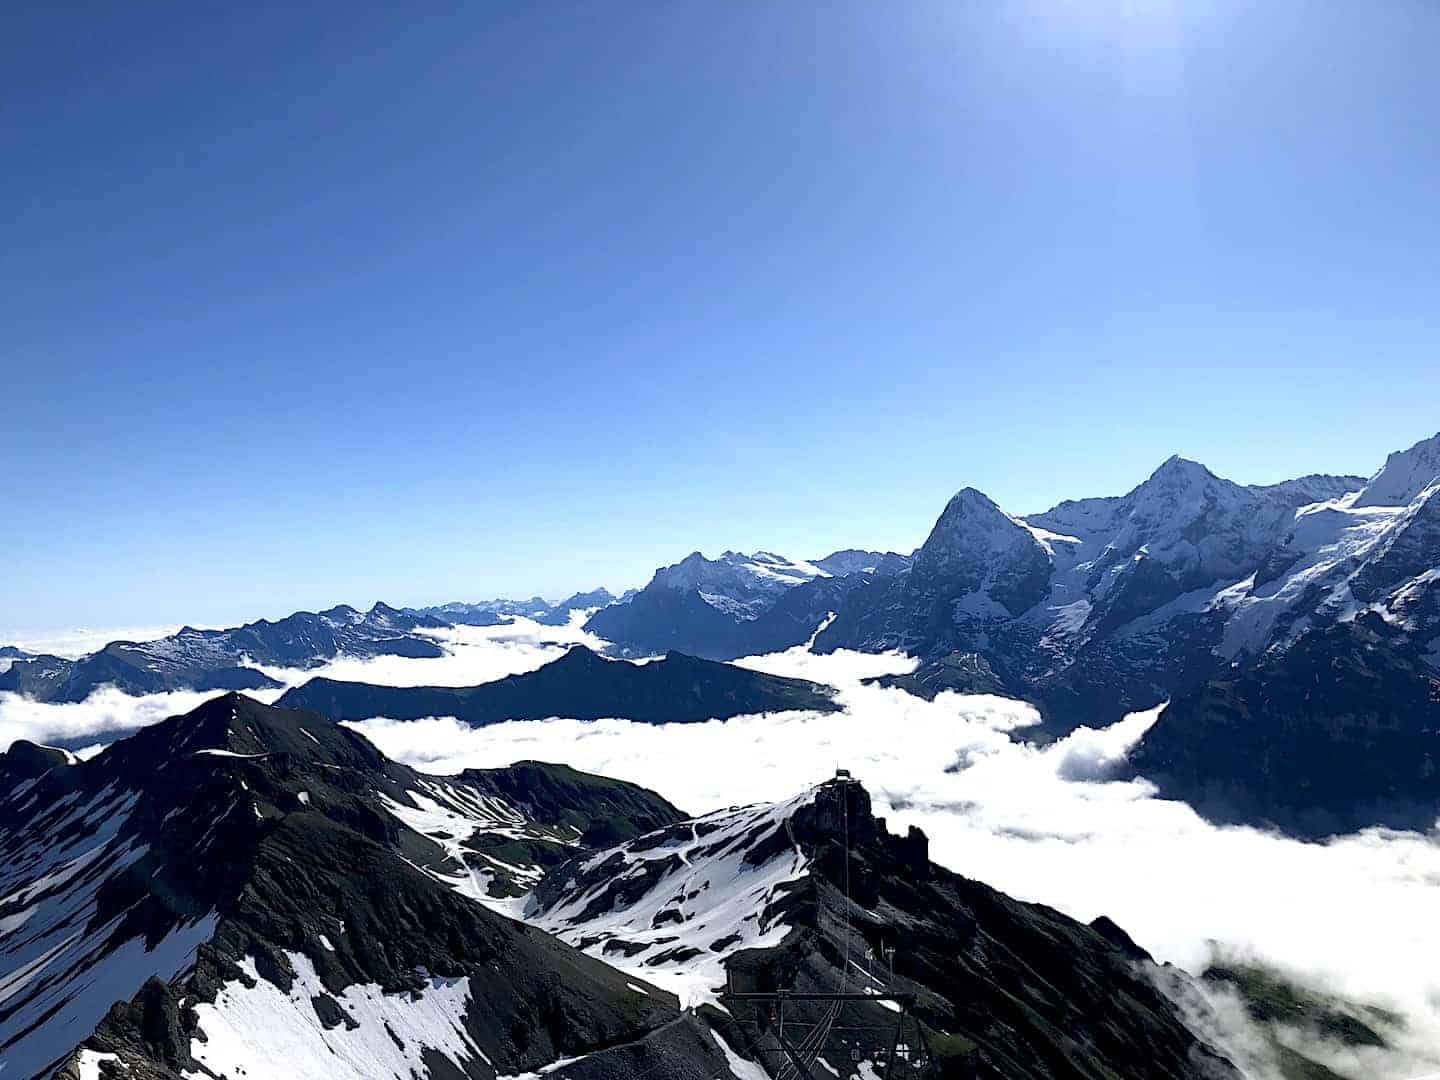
[
  {"x": 1177, "y": 478},
  {"x": 970, "y": 510},
  {"x": 234, "y": 726},
  {"x": 1183, "y": 469},
  {"x": 968, "y": 501},
  {"x": 973, "y": 529}
]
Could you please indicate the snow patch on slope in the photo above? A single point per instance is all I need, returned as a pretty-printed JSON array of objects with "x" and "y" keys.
[
  {"x": 704, "y": 899},
  {"x": 260, "y": 1030},
  {"x": 450, "y": 814},
  {"x": 61, "y": 968},
  {"x": 1330, "y": 543}
]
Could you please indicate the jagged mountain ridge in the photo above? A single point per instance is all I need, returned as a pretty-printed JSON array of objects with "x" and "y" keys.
[
  {"x": 1062, "y": 607},
  {"x": 215, "y": 660},
  {"x": 581, "y": 685},
  {"x": 765, "y": 898},
  {"x": 499, "y": 612},
  {"x": 1101, "y": 607},
  {"x": 1326, "y": 720},
  {"x": 247, "y": 890},
  {"x": 250, "y": 860},
  {"x": 194, "y": 659},
  {"x": 736, "y": 605},
  {"x": 1091, "y": 609}
]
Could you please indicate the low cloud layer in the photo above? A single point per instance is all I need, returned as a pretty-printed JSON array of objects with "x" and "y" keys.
[
  {"x": 80, "y": 641},
  {"x": 473, "y": 655},
  {"x": 1355, "y": 915},
  {"x": 104, "y": 716}
]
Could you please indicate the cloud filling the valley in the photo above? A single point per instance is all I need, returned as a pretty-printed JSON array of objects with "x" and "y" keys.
[
  {"x": 1355, "y": 914},
  {"x": 474, "y": 654}
]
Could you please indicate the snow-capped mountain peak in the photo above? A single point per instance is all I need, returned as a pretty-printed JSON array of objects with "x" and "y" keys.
[
  {"x": 984, "y": 562},
  {"x": 1180, "y": 471},
  {"x": 1405, "y": 474},
  {"x": 971, "y": 519}
]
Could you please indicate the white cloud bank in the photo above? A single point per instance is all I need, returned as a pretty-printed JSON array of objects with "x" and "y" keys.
[
  {"x": 80, "y": 641},
  {"x": 1357, "y": 914},
  {"x": 105, "y": 715},
  {"x": 473, "y": 655}
]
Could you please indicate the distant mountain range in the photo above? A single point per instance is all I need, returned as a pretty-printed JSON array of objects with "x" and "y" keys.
[
  {"x": 497, "y": 612},
  {"x": 222, "y": 659},
  {"x": 581, "y": 685},
  {"x": 1220, "y": 598},
  {"x": 254, "y": 891},
  {"x": 225, "y": 659},
  {"x": 736, "y": 605}
]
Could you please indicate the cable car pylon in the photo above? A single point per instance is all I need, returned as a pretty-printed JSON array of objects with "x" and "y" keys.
[{"x": 799, "y": 1041}]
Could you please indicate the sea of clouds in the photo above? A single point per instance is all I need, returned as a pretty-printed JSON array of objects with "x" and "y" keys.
[
  {"x": 1356, "y": 915},
  {"x": 473, "y": 655}
]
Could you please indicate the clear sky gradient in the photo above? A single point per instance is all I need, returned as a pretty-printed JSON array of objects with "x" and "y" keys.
[{"x": 339, "y": 304}]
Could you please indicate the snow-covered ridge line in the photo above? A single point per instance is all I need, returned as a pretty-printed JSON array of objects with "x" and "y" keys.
[{"x": 673, "y": 905}]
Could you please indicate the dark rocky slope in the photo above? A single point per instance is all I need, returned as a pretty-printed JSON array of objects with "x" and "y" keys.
[
  {"x": 1003, "y": 989},
  {"x": 1339, "y": 732},
  {"x": 241, "y": 847},
  {"x": 736, "y": 605},
  {"x": 26, "y": 760}
]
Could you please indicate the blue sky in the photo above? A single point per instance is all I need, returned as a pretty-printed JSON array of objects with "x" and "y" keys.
[{"x": 339, "y": 304}]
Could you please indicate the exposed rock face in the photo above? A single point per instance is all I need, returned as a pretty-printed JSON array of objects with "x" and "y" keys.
[
  {"x": 581, "y": 685},
  {"x": 978, "y": 558},
  {"x": 767, "y": 898},
  {"x": 959, "y": 672},
  {"x": 28, "y": 761},
  {"x": 1092, "y": 609},
  {"x": 1340, "y": 731},
  {"x": 261, "y": 857},
  {"x": 978, "y": 569},
  {"x": 736, "y": 605}
]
